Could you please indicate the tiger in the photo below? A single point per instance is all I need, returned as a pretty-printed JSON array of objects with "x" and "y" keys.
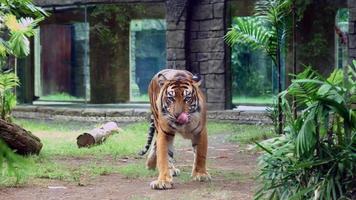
[{"x": 177, "y": 106}]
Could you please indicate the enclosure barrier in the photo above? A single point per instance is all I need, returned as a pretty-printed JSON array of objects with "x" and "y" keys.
[{"x": 126, "y": 115}]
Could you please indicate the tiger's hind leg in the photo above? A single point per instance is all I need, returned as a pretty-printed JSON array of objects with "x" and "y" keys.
[
  {"x": 151, "y": 161},
  {"x": 152, "y": 158},
  {"x": 172, "y": 169}
]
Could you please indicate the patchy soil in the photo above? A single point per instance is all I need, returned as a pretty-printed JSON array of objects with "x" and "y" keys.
[{"x": 232, "y": 169}]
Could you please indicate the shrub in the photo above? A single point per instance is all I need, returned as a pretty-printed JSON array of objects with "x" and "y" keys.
[
  {"x": 316, "y": 156},
  {"x": 17, "y": 21}
]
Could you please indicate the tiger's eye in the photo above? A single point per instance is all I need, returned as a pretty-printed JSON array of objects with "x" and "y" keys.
[{"x": 171, "y": 98}]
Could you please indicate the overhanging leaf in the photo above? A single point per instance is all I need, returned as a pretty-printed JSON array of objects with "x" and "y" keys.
[{"x": 324, "y": 89}]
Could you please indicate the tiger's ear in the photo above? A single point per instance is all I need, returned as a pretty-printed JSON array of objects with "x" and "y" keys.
[
  {"x": 161, "y": 80},
  {"x": 197, "y": 79}
]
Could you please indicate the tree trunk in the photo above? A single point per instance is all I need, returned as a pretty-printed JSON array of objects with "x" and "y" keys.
[
  {"x": 97, "y": 135},
  {"x": 21, "y": 141}
]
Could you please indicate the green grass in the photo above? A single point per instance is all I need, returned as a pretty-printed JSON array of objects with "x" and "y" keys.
[
  {"x": 260, "y": 100},
  {"x": 61, "y": 96},
  {"x": 239, "y": 133},
  {"x": 54, "y": 126},
  {"x": 220, "y": 127},
  {"x": 247, "y": 134},
  {"x": 59, "y": 145},
  {"x": 122, "y": 144},
  {"x": 136, "y": 170},
  {"x": 127, "y": 142},
  {"x": 48, "y": 168}
]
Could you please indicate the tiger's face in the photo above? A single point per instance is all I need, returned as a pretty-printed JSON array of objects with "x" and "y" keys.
[{"x": 179, "y": 101}]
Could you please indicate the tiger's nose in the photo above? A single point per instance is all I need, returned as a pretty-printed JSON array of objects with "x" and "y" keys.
[{"x": 176, "y": 115}]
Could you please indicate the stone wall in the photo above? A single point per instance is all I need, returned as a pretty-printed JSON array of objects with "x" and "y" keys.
[
  {"x": 195, "y": 31},
  {"x": 176, "y": 18},
  {"x": 352, "y": 30},
  {"x": 207, "y": 50}
]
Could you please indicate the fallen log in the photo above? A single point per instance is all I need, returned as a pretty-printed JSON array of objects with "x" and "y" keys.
[
  {"x": 23, "y": 142},
  {"x": 97, "y": 135}
]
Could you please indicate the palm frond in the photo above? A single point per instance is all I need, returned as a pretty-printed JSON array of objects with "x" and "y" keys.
[
  {"x": 19, "y": 44},
  {"x": 306, "y": 139},
  {"x": 251, "y": 32},
  {"x": 21, "y": 30},
  {"x": 273, "y": 11},
  {"x": 8, "y": 81},
  {"x": 305, "y": 87}
]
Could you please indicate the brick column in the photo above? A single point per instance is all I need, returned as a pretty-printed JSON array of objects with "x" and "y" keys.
[
  {"x": 352, "y": 30},
  {"x": 207, "y": 50},
  {"x": 176, "y": 18}
]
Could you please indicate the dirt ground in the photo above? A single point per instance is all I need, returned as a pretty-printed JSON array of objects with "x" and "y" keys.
[{"x": 231, "y": 166}]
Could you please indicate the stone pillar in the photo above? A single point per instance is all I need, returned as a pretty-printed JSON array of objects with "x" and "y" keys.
[
  {"x": 176, "y": 18},
  {"x": 207, "y": 50},
  {"x": 352, "y": 30}
]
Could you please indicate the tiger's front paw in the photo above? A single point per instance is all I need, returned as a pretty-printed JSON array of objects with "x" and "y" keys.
[
  {"x": 161, "y": 185},
  {"x": 202, "y": 177}
]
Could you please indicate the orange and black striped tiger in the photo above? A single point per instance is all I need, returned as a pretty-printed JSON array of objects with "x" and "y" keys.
[{"x": 178, "y": 106}]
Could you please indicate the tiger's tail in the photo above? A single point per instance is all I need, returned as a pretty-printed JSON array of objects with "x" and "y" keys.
[{"x": 150, "y": 134}]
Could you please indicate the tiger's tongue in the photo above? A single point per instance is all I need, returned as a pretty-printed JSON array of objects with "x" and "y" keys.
[{"x": 182, "y": 118}]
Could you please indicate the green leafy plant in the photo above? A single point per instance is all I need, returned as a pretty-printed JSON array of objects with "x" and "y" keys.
[
  {"x": 316, "y": 158},
  {"x": 17, "y": 28},
  {"x": 8, "y": 82},
  {"x": 272, "y": 114},
  {"x": 11, "y": 163},
  {"x": 18, "y": 19},
  {"x": 17, "y": 22},
  {"x": 266, "y": 31}
]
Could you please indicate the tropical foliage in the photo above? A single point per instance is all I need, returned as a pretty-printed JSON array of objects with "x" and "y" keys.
[
  {"x": 16, "y": 27},
  {"x": 316, "y": 158},
  {"x": 18, "y": 19},
  {"x": 267, "y": 31},
  {"x": 8, "y": 81},
  {"x": 11, "y": 164}
]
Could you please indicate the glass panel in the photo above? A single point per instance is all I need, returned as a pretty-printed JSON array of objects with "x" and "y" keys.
[
  {"x": 316, "y": 42},
  {"x": 127, "y": 45},
  {"x": 61, "y": 57},
  {"x": 93, "y": 52},
  {"x": 341, "y": 30},
  {"x": 254, "y": 76},
  {"x": 147, "y": 54}
]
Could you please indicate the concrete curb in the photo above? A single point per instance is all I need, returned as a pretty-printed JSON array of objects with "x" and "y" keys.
[{"x": 124, "y": 115}]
